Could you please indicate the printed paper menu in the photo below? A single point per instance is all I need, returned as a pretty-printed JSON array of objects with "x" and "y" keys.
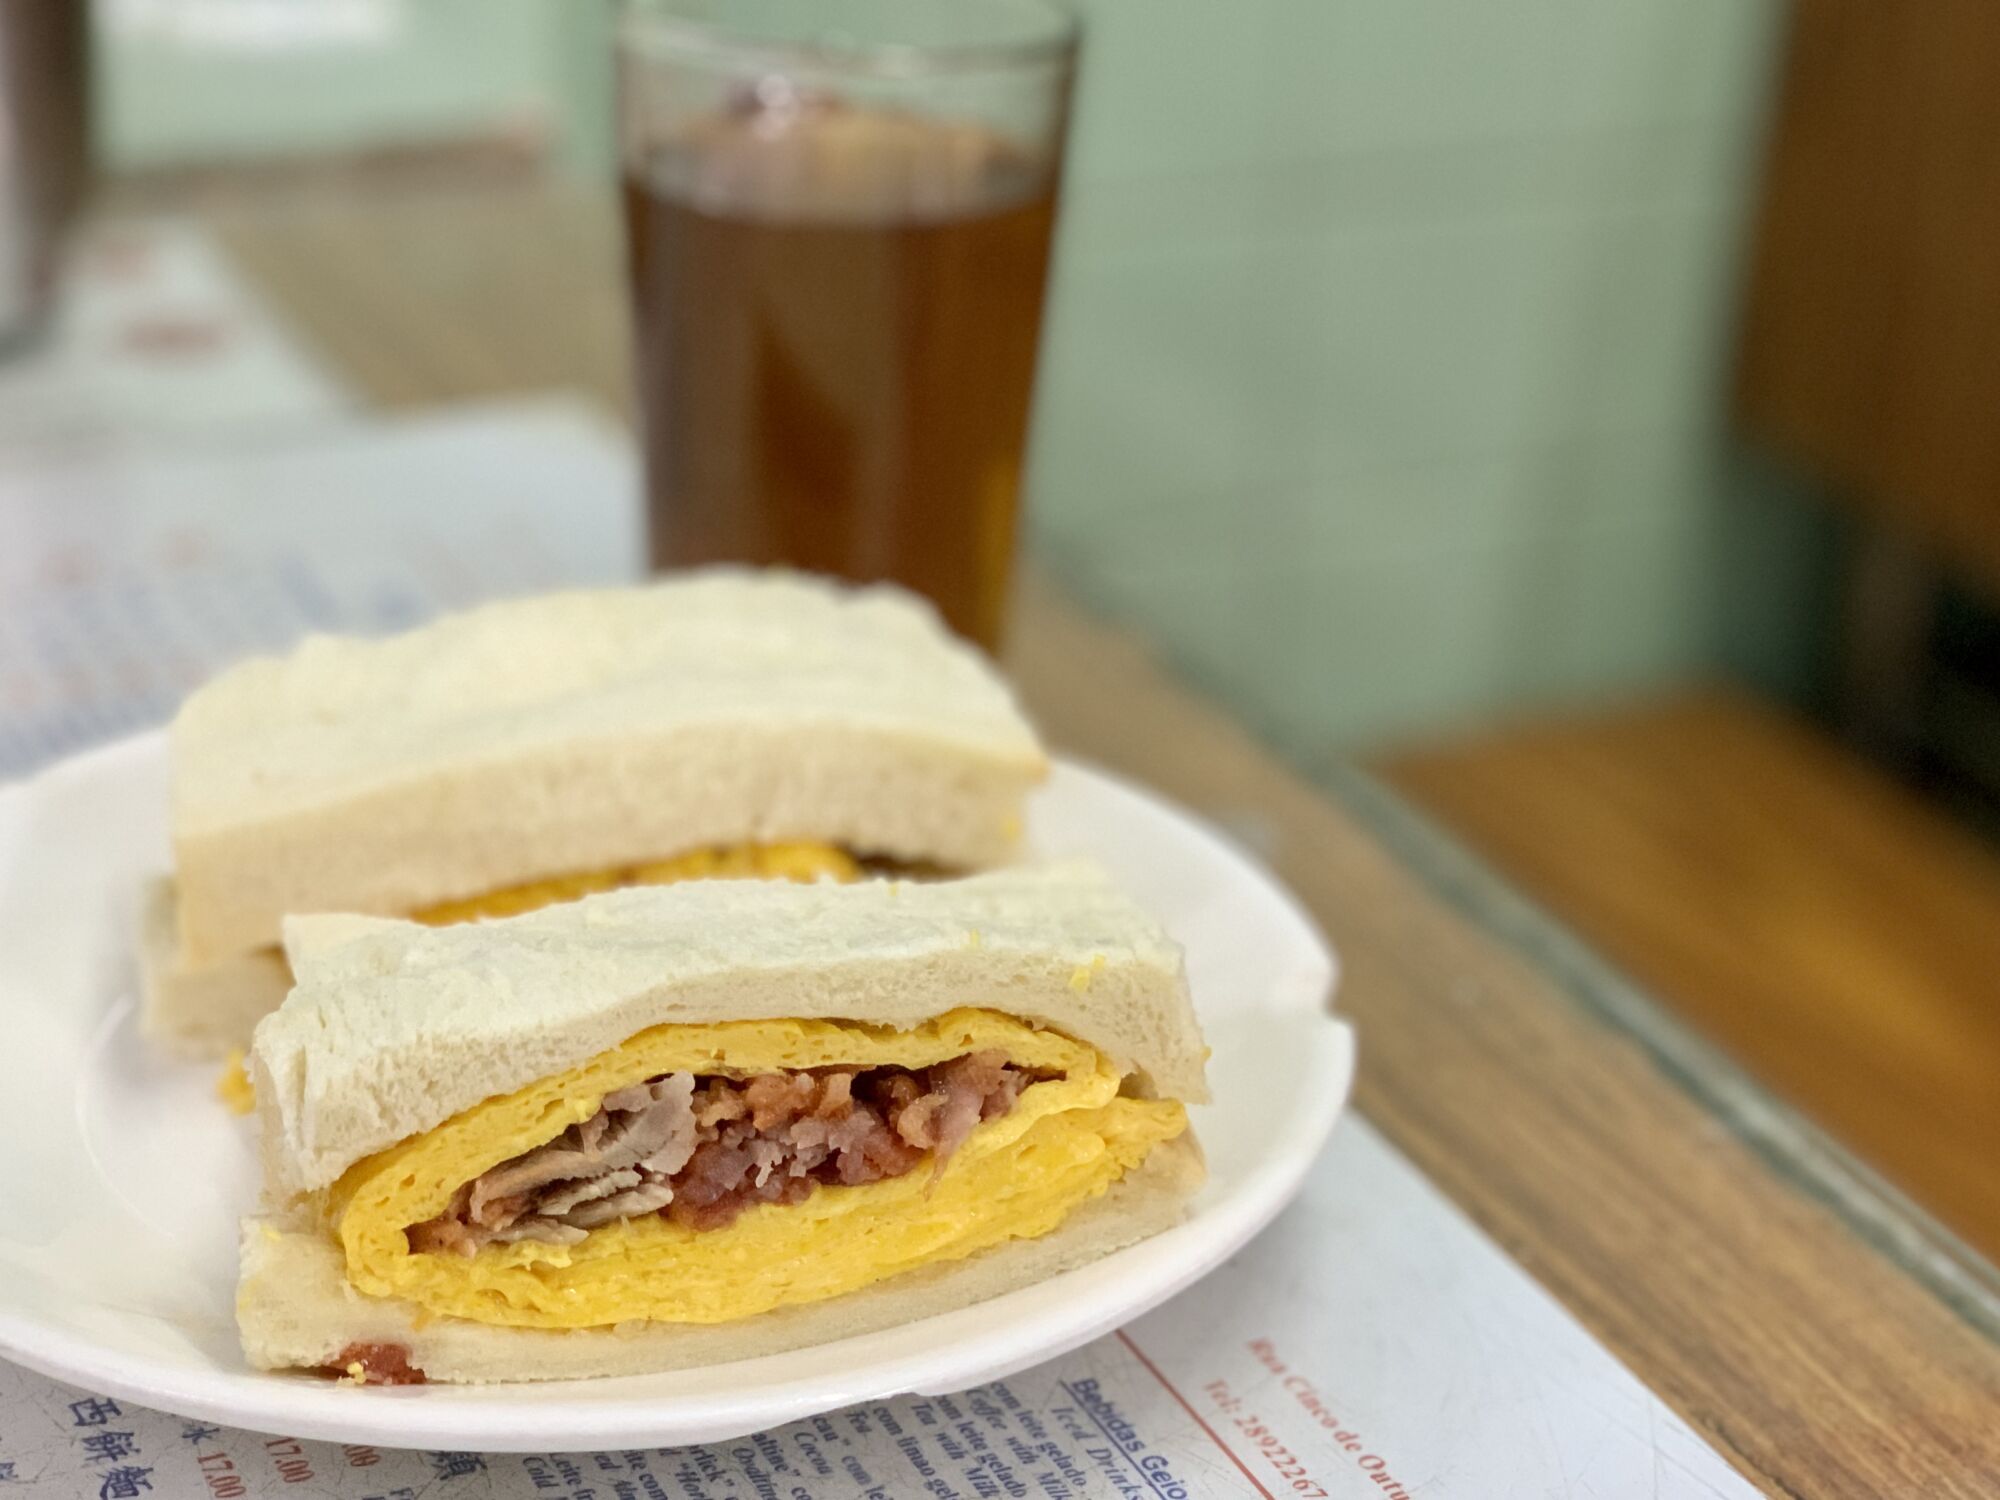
[
  {"x": 126, "y": 579},
  {"x": 156, "y": 343}
]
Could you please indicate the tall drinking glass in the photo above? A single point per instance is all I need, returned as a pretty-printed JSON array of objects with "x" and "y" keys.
[{"x": 838, "y": 217}]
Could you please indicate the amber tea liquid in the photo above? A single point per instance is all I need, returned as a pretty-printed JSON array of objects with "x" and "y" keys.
[{"x": 837, "y": 315}]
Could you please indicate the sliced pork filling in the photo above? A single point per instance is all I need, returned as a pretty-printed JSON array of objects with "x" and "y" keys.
[{"x": 700, "y": 1150}]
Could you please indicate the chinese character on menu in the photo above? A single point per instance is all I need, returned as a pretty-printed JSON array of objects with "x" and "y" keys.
[
  {"x": 198, "y": 1433},
  {"x": 455, "y": 1465},
  {"x": 125, "y": 1483},
  {"x": 104, "y": 1447},
  {"x": 93, "y": 1411}
]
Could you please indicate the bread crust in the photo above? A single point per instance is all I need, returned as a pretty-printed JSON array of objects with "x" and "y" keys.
[
  {"x": 584, "y": 731},
  {"x": 200, "y": 1014}
]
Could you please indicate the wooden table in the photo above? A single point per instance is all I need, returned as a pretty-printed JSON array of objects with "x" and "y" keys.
[
  {"x": 1817, "y": 1330},
  {"x": 1826, "y": 926}
]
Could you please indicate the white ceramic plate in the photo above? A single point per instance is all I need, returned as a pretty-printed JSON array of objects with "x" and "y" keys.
[{"x": 122, "y": 1179}]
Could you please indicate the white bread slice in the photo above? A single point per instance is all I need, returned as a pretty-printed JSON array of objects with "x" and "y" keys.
[
  {"x": 585, "y": 731},
  {"x": 393, "y": 1028},
  {"x": 296, "y": 1309},
  {"x": 200, "y": 1013}
]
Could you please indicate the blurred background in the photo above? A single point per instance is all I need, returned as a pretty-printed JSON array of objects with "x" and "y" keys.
[
  {"x": 1581, "y": 414},
  {"x": 1390, "y": 343}
]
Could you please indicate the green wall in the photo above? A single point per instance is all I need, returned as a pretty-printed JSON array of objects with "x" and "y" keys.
[
  {"x": 1385, "y": 383},
  {"x": 199, "y": 81}
]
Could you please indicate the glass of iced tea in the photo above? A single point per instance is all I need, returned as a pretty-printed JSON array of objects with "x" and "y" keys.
[{"x": 838, "y": 217}]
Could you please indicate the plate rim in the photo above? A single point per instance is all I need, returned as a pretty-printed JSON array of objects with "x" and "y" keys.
[{"x": 475, "y": 1417}]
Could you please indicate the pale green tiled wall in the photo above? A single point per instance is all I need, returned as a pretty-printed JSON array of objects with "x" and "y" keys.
[
  {"x": 1388, "y": 342},
  {"x": 182, "y": 83}
]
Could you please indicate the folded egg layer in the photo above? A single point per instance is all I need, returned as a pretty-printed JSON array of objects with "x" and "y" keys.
[{"x": 1065, "y": 1141}]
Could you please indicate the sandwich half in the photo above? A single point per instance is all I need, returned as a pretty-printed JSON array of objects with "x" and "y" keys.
[
  {"x": 534, "y": 751},
  {"x": 682, "y": 1125}
]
